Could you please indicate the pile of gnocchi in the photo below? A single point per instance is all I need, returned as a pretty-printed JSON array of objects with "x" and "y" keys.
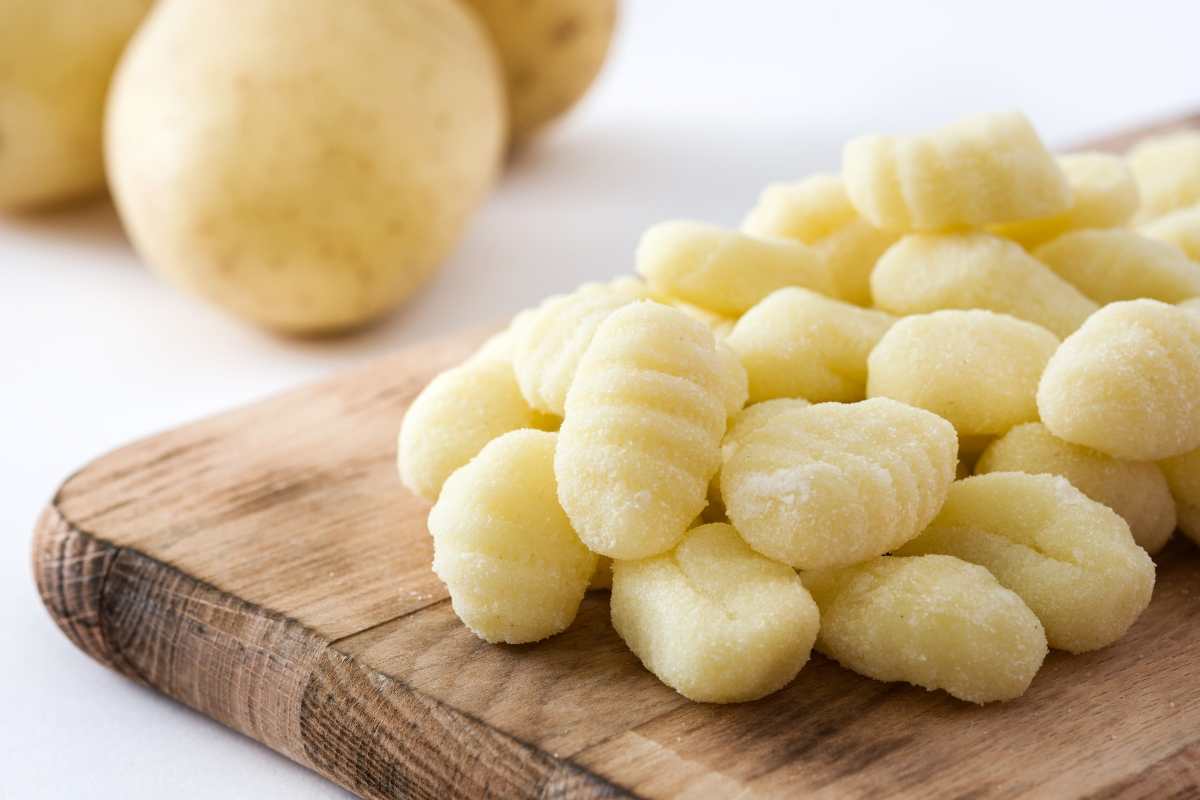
[{"x": 930, "y": 417}]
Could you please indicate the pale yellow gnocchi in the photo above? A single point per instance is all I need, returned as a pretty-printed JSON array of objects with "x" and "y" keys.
[
  {"x": 1167, "y": 169},
  {"x": 818, "y": 212},
  {"x": 1136, "y": 490},
  {"x": 1113, "y": 265},
  {"x": 722, "y": 270},
  {"x": 981, "y": 170},
  {"x": 834, "y": 484},
  {"x": 932, "y": 621},
  {"x": 926, "y": 272},
  {"x": 642, "y": 435},
  {"x": 1179, "y": 228},
  {"x": 797, "y": 343},
  {"x": 503, "y": 546},
  {"x": 1127, "y": 383},
  {"x": 1072, "y": 560},
  {"x": 714, "y": 620},
  {"x": 1183, "y": 476},
  {"x": 977, "y": 369}
]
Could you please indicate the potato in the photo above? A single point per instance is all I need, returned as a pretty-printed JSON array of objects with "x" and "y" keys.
[
  {"x": 56, "y": 59},
  {"x": 305, "y": 165},
  {"x": 551, "y": 51}
]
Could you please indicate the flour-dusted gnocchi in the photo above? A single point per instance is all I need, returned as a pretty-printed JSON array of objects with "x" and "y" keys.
[
  {"x": 459, "y": 412},
  {"x": 1192, "y": 305},
  {"x": 1183, "y": 476},
  {"x": 735, "y": 383},
  {"x": 548, "y": 343},
  {"x": 977, "y": 369},
  {"x": 503, "y": 546},
  {"x": 1136, "y": 490},
  {"x": 1167, "y": 169},
  {"x": 818, "y": 212},
  {"x": 1113, "y": 265},
  {"x": 930, "y": 272},
  {"x": 748, "y": 420},
  {"x": 834, "y": 484},
  {"x": 1071, "y": 559},
  {"x": 642, "y": 434},
  {"x": 714, "y": 620},
  {"x": 1179, "y": 228},
  {"x": 1127, "y": 383},
  {"x": 797, "y": 343},
  {"x": 981, "y": 170},
  {"x": 933, "y": 621},
  {"x": 1103, "y": 195},
  {"x": 722, "y": 270}
]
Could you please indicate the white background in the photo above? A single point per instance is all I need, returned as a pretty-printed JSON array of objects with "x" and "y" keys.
[{"x": 701, "y": 104}]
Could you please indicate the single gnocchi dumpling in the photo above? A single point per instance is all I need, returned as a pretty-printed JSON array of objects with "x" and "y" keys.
[
  {"x": 503, "y": 546},
  {"x": 818, "y": 212},
  {"x": 1136, "y": 490},
  {"x": 834, "y": 484},
  {"x": 722, "y": 270},
  {"x": 982, "y": 170},
  {"x": 1167, "y": 169},
  {"x": 1103, "y": 195},
  {"x": 797, "y": 343},
  {"x": 1071, "y": 559},
  {"x": 548, "y": 343},
  {"x": 1127, "y": 383},
  {"x": 714, "y": 620},
  {"x": 923, "y": 273},
  {"x": 1179, "y": 228},
  {"x": 459, "y": 412},
  {"x": 977, "y": 369},
  {"x": 642, "y": 434},
  {"x": 1114, "y": 265},
  {"x": 1183, "y": 476},
  {"x": 932, "y": 621}
]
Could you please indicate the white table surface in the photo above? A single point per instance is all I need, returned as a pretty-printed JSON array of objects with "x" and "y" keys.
[{"x": 698, "y": 108}]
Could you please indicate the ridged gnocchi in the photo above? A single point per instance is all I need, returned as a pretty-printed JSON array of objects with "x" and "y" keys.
[
  {"x": 797, "y": 343},
  {"x": 1104, "y": 194},
  {"x": 977, "y": 369},
  {"x": 818, "y": 212},
  {"x": 642, "y": 435},
  {"x": 834, "y": 484},
  {"x": 925, "y": 272},
  {"x": 1114, "y": 265},
  {"x": 1136, "y": 490},
  {"x": 1179, "y": 228},
  {"x": 1167, "y": 169},
  {"x": 714, "y": 620},
  {"x": 503, "y": 546},
  {"x": 722, "y": 270},
  {"x": 1071, "y": 559},
  {"x": 981, "y": 170},
  {"x": 1183, "y": 476},
  {"x": 1127, "y": 383},
  {"x": 932, "y": 621}
]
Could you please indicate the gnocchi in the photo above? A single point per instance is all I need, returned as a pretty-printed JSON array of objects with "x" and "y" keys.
[
  {"x": 818, "y": 212},
  {"x": 714, "y": 620},
  {"x": 503, "y": 546},
  {"x": 977, "y": 369},
  {"x": 642, "y": 435},
  {"x": 797, "y": 343},
  {"x": 923, "y": 273},
  {"x": 834, "y": 484},
  {"x": 1071, "y": 559},
  {"x": 1183, "y": 476},
  {"x": 1179, "y": 228},
  {"x": 722, "y": 270},
  {"x": 1114, "y": 265},
  {"x": 1136, "y": 490},
  {"x": 932, "y": 621},
  {"x": 985, "y": 169},
  {"x": 1127, "y": 383},
  {"x": 1167, "y": 169}
]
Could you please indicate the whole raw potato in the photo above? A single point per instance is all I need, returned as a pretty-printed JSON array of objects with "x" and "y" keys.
[
  {"x": 304, "y": 164},
  {"x": 56, "y": 59},
  {"x": 551, "y": 51}
]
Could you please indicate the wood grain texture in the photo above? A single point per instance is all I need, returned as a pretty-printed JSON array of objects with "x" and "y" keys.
[{"x": 266, "y": 568}]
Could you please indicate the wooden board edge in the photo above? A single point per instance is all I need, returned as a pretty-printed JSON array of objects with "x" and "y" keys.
[{"x": 273, "y": 679}]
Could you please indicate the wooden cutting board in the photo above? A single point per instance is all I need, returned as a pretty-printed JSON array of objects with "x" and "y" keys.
[{"x": 266, "y": 568}]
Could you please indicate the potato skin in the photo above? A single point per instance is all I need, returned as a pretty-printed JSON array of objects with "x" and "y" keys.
[
  {"x": 551, "y": 50},
  {"x": 56, "y": 60},
  {"x": 305, "y": 165}
]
